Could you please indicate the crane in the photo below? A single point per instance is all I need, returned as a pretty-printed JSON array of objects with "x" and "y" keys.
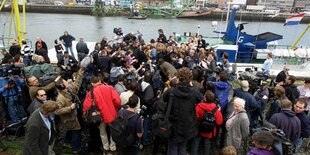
[{"x": 15, "y": 16}]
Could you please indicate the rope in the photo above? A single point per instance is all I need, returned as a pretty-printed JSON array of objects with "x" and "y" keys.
[
  {"x": 221, "y": 26},
  {"x": 260, "y": 22}
]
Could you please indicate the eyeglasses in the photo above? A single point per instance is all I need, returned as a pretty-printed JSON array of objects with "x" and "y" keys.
[{"x": 42, "y": 95}]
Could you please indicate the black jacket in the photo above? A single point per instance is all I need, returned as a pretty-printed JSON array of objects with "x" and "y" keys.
[
  {"x": 291, "y": 92},
  {"x": 81, "y": 47},
  {"x": 35, "y": 104},
  {"x": 183, "y": 113},
  {"x": 6, "y": 58},
  {"x": 305, "y": 124},
  {"x": 44, "y": 54},
  {"x": 281, "y": 77},
  {"x": 14, "y": 50}
]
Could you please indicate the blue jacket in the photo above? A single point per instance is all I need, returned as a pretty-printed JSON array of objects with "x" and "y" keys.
[
  {"x": 10, "y": 92},
  {"x": 250, "y": 101},
  {"x": 305, "y": 124},
  {"x": 222, "y": 92}
]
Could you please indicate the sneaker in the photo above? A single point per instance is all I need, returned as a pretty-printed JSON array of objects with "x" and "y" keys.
[
  {"x": 75, "y": 152},
  {"x": 67, "y": 146}
]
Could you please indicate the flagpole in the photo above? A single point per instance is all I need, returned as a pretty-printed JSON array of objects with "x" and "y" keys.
[{"x": 302, "y": 34}]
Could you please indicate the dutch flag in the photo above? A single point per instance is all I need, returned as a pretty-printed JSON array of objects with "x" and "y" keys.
[{"x": 294, "y": 20}]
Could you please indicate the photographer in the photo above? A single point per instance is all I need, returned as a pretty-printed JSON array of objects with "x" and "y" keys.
[
  {"x": 34, "y": 86},
  {"x": 68, "y": 65},
  {"x": 135, "y": 123},
  {"x": 146, "y": 95},
  {"x": 68, "y": 102},
  {"x": 10, "y": 88},
  {"x": 118, "y": 39}
]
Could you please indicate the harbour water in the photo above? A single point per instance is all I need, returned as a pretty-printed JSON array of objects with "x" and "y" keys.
[{"x": 91, "y": 28}]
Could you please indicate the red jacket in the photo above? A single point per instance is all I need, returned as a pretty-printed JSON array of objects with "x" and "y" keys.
[
  {"x": 107, "y": 101},
  {"x": 201, "y": 108}
]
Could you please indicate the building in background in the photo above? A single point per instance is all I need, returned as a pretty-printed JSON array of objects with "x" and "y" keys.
[
  {"x": 300, "y": 5},
  {"x": 251, "y": 2},
  {"x": 283, "y": 5}
]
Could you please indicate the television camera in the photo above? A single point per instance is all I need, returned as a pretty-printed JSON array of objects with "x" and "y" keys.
[{"x": 118, "y": 31}]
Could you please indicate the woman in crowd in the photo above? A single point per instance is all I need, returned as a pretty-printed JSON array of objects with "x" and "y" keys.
[
  {"x": 208, "y": 105},
  {"x": 237, "y": 125}
]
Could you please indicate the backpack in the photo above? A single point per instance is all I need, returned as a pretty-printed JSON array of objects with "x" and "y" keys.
[
  {"x": 161, "y": 125},
  {"x": 122, "y": 132},
  {"x": 208, "y": 122}
]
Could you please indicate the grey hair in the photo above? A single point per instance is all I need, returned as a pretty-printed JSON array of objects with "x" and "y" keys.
[{"x": 239, "y": 101}]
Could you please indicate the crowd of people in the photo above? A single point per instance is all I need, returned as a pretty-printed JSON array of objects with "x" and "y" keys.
[{"x": 138, "y": 81}]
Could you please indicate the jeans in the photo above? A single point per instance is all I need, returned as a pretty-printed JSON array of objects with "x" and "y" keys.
[
  {"x": 298, "y": 143},
  {"x": 176, "y": 148},
  {"x": 146, "y": 131},
  {"x": 69, "y": 48},
  {"x": 206, "y": 146},
  {"x": 75, "y": 138},
  {"x": 15, "y": 109},
  {"x": 27, "y": 60}
]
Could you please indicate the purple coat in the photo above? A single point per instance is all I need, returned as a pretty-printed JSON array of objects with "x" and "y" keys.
[
  {"x": 287, "y": 121},
  {"x": 256, "y": 151}
]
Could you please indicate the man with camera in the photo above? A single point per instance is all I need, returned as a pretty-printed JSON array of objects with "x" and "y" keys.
[
  {"x": 10, "y": 88},
  {"x": 107, "y": 102},
  {"x": 118, "y": 39},
  {"x": 34, "y": 85},
  {"x": 68, "y": 102},
  {"x": 135, "y": 127}
]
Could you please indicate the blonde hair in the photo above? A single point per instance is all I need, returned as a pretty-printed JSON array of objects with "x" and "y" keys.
[{"x": 228, "y": 150}]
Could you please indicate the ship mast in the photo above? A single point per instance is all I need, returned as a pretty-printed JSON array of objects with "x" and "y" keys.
[{"x": 301, "y": 35}]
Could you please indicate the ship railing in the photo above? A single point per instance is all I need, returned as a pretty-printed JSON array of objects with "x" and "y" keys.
[{"x": 5, "y": 43}]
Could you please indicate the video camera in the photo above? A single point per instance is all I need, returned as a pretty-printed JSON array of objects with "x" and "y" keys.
[
  {"x": 141, "y": 110},
  {"x": 281, "y": 144},
  {"x": 118, "y": 31},
  {"x": 255, "y": 79},
  {"x": 7, "y": 69},
  {"x": 48, "y": 78}
]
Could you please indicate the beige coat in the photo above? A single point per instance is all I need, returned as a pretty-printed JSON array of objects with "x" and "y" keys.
[{"x": 68, "y": 117}]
